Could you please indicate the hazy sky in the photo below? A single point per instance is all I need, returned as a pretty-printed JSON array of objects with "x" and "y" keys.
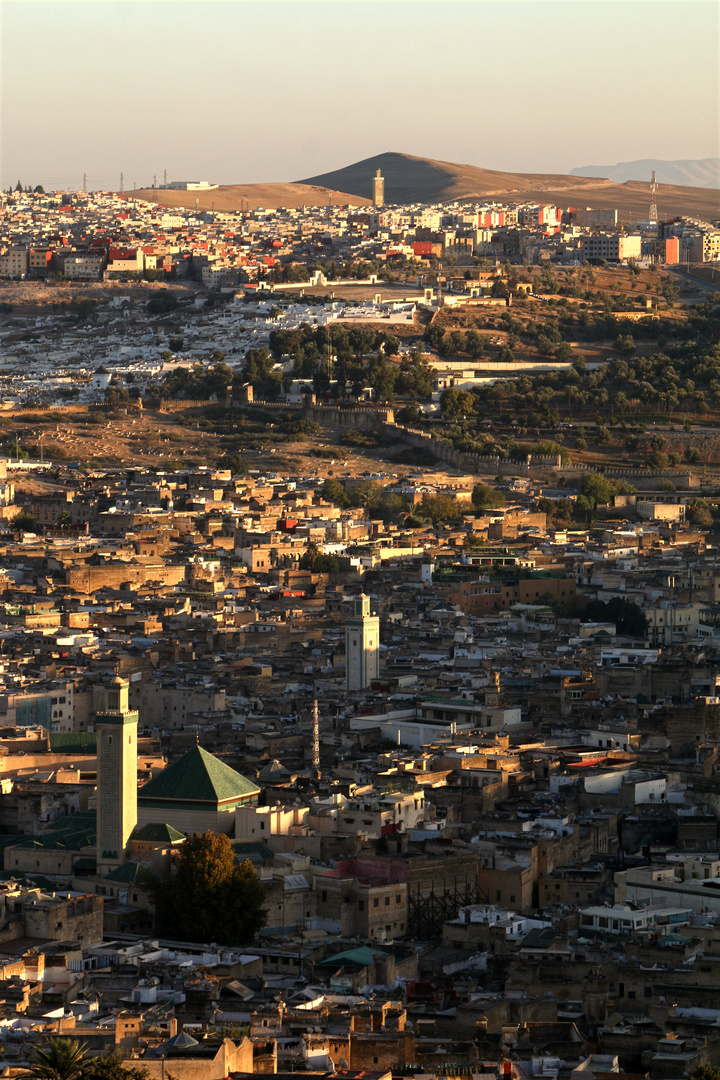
[{"x": 241, "y": 91}]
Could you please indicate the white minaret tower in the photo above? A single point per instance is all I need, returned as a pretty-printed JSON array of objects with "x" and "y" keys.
[
  {"x": 116, "y": 729},
  {"x": 362, "y": 646}
]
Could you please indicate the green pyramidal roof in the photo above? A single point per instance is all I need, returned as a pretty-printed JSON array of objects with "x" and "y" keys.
[
  {"x": 157, "y": 833},
  {"x": 198, "y": 777},
  {"x": 130, "y": 873}
]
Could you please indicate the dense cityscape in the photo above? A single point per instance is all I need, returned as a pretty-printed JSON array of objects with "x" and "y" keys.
[{"x": 359, "y": 572}]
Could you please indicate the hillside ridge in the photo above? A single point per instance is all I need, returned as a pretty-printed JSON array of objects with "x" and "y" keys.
[{"x": 412, "y": 179}]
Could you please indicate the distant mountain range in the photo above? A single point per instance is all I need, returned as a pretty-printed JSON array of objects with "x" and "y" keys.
[
  {"x": 410, "y": 179},
  {"x": 702, "y": 173}
]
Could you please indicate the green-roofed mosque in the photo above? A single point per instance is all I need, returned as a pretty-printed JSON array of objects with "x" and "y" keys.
[{"x": 197, "y": 793}]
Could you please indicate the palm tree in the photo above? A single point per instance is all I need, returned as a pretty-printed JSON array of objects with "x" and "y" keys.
[{"x": 58, "y": 1059}]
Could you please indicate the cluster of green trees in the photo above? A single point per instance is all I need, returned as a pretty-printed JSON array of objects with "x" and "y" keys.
[
  {"x": 162, "y": 303},
  {"x": 433, "y": 509},
  {"x": 38, "y": 189},
  {"x": 595, "y": 490},
  {"x": 316, "y": 561},
  {"x": 450, "y": 342},
  {"x": 629, "y": 619},
  {"x": 333, "y": 270},
  {"x": 486, "y": 497},
  {"x": 467, "y": 440},
  {"x": 682, "y": 375},
  {"x": 338, "y": 361},
  {"x": 23, "y": 521},
  {"x": 369, "y": 494},
  {"x": 200, "y": 382}
]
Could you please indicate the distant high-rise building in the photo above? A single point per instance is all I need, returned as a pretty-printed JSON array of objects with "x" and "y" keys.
[
  {"x": 116, "y": 730},
  {"x": 378, "y": 195},
  {"x": 362, "y": 645}
]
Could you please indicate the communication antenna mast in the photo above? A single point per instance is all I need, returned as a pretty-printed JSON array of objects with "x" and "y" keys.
[
  {"x": 316, "y": 740},
  {"x": 653, "y": 201}
]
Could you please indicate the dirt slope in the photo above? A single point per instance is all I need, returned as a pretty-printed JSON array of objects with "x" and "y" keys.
[{"x": 252, "y": 196}]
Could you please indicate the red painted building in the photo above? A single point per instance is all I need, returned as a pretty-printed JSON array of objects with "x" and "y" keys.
[{"x": 672, "y": 250}]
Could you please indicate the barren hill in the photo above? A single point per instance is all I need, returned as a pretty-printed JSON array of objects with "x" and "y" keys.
[
  {"x": 251, "y": 197},
  {"x": 413, "y": 179}
]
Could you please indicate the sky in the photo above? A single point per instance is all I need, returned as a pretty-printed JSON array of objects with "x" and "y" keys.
[{"x": 250, "y": 91}]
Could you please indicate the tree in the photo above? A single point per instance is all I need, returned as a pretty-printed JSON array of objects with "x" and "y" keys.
[
  {"x": 456, "y": 403},
  {"x": 415, "y": 378},
  {"x": 704, "y": 1072},
  {"x": 237, "y": 464},
  {"x": 627, "y": 616},
  {"x": 439, "y": 508},
  {"x": 485, "y": 497},
  {"x": 367, "y": 493},
  {"x": 381, "y": 377},
  {"x": 625, "y": 344},
  {"x": 544, "y": 345},
  {"x": 409, "y": 414},
  {"x": 698, "y": 514},
  {"x": 162, "y": 304},
  {"x": 597, "y": 489},
  {"x": 112, "y": 1067},
  {"x": 23, "y": 522},
  {"x": 474, "y": 344},
  {"x": 56, "y": 1059},
  {"x": 208, "y": 897},
  {"x": 334, "y": 492}
]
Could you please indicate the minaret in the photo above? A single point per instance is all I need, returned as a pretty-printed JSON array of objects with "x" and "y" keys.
[
  {"x": 362, "y": 646},
  {"x": 378, "y": 190},
  {"x": 116, "y": 730}
]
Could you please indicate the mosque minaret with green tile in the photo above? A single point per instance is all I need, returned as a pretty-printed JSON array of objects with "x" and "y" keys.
[{"x": 116, "y": 729}]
